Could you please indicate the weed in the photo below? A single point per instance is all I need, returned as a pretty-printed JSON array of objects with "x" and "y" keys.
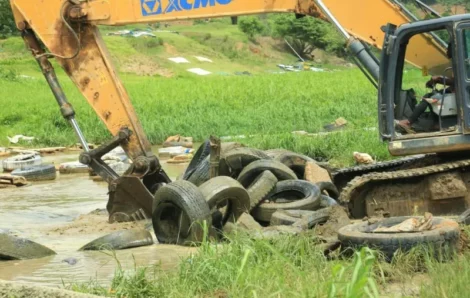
[
  {"x": 8, "y": 75},
  {"x": 207, "y": 36},
  {"x": 361, "y": 283}
]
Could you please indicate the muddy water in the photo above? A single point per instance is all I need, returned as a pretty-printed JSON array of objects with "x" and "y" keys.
[{"x": 44, "y": 211}]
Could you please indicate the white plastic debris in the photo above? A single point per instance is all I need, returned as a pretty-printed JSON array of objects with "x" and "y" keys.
[
  {"x": 17, "y": 138},
  {"x": 363, "y": 158},
  {"x": 199, "y": 71},
  {"x": 73, "y": 167},
  {"x": 179, "y": 60},
  {"x": 169, "y": 151},
  {"x": 21, "y": 161},
  {"x": 203, "y": 59},
  {"x": 142, "y": 33},
  {"x": 409, "y": 225}
]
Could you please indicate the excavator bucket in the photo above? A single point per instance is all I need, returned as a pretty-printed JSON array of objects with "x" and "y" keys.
[{"x": 129, "y": 199}]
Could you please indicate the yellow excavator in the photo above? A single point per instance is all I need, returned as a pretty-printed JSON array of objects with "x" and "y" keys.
[{"x": 435, "y": 181}]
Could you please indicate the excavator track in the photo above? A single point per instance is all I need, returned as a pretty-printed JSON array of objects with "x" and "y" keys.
[
  {"x": 359, "y": 170},
  {"x": 352, "y": 194},
  {"x": 342, "y": 177}
]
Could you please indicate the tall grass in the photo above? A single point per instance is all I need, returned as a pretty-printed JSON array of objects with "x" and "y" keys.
[
  {"x": 285, "y": 267},
  {"x": 257, "y": 105}
]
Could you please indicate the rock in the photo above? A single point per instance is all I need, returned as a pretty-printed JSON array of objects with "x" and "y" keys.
[
  {"x": 70, "y": 261},
  {"x": 314, "y": 173},
  {"x": 21, "y": 290},
  {"x": 121, "y": 240},
  {"x": 15, "y": 248}
]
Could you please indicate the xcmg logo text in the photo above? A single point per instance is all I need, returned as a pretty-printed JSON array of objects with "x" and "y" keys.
[{"x": 155, "y": 7}]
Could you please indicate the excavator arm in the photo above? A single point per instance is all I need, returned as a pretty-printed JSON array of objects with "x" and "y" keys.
[{"x": 67, "y": 31}]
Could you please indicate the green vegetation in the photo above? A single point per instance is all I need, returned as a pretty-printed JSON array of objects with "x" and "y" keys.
[
  {"x": 290, "y": 266},
  {"x": 266, "y": 108},
  {"x": 285, "y": 267},
  {"x": 251, "y": 26},
  {"x": 262, "y": 106},
  {"x": 7, "y": 24}
]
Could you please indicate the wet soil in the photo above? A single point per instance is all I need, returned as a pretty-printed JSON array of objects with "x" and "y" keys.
[
  {"x": 338, "y": 219},
  {"x": 92, "y": 224},
  {"x": 61, "y": 215}
]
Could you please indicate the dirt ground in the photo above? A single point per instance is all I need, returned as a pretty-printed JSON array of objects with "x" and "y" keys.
[
  {"x": 145, "y": 67},
  {"x": 338, "y": 219},
  {"x": 93, "y": 223}
]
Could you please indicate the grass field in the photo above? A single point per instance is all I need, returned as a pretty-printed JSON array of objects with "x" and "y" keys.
[
  {"x": 265, "y": 107},
  {"x": 262, "y": 105}
]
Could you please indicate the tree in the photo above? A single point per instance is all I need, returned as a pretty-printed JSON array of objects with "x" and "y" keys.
[
  {"x": 7, "y": 22},
  {"x": 306, "y": 34},
  {"x": 251, "y": 26}
]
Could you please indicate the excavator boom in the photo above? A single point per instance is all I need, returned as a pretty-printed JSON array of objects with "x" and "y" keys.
[{"x": 68, "y": 30}]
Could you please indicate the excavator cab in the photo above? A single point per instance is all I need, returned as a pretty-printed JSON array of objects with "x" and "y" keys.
[{"x": 444, "y": 126}]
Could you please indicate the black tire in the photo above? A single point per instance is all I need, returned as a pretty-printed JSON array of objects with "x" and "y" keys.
[
  {"x": 201, "y": 174},
  {"x": 296, "y": 162},
  {"x": 226, "y": 190},
  {"x": 179, "y": 210},
  {"x": 310, "y": 220},
  {"x": 303, "y": 195},
  {"x": 254, "y": 169},
  {"x": 238, "y": 158},
  {"x": 121, "y": 240},
  {"x": 442, "y": 238},
  {"x": 261, "y": 188},
  {"x": 464, "y": 218},
  {"x": 287, "y": 217},
  {"x": 326, "y": 201},
  {"x": 37, "y": 173},
  {"x": 330, "y": 188},
  {"x": 202, "y": 152},
  {"x": 15, "y": 248}
]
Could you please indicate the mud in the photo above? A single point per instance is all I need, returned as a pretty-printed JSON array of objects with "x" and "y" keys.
[
  {"x": 9, "y": 289},
  {"x": 145, "y": 67},
  {"x": 338, "y": 218},
  {"x": 447, "y": 186},
  {"x": 92, "y": 224},
  {"x": 64, "y": 215}
]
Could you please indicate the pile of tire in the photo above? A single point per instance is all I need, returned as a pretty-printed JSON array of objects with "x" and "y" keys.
[
  {"x": 29, "y": 166},
  {"x": 269, "y": 185}
]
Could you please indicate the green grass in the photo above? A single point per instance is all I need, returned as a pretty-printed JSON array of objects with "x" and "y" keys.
[
  {"x": 268, "y": 106},
  {"x": 290, "y": 266},
  {"x": 284, "y": 267},
  {"x": 262, "y": 105}
]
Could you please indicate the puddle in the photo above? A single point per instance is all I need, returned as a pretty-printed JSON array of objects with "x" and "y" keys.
[{"x": 43, "y": 212}]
